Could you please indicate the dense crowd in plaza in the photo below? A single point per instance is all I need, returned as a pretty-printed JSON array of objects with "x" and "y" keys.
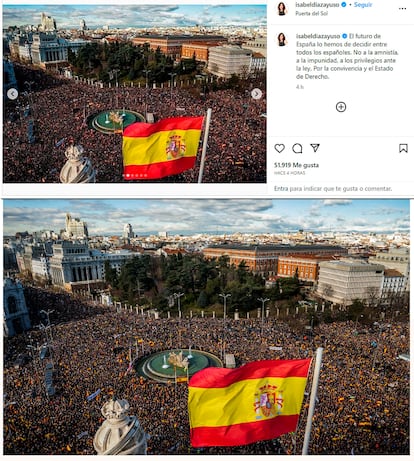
[
  {"x": 236, "y": 145},
  {"x": 363, "y": 394}
]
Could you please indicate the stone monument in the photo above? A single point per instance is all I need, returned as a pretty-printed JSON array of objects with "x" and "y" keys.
[
  {"x": 77, "y": 169},
  {"x": 120, "y": 434}
]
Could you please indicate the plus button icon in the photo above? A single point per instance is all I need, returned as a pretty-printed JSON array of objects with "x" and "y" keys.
[{"x": 341, "y": 106}]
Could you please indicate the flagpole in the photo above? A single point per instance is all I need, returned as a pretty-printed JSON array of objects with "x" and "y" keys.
[
  {"x": 203, "y": 153},
  {"x": 312, "y": 400}
]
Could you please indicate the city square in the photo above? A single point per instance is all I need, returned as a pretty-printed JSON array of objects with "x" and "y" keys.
[
  {"x": 69, "y": 84},
  {"x": 103, "y": 323}
]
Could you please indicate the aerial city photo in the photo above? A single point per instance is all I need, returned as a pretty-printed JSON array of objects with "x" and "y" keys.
[
  {"x": 134, "y": 93},
  {"x": 206, "y": 326}
]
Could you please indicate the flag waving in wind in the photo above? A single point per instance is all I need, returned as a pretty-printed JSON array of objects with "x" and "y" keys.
[
  {"x": 258, "y": 401},
  {"x": 155, "y": 150}
]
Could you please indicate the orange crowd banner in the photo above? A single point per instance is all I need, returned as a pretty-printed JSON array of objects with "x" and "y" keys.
[
  {"x": 164, "y": 148},
  {"x": 258, "y": 401}
]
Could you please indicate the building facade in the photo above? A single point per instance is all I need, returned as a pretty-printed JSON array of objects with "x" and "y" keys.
[
  {"x": 227, "y": 60},
  {"x": 394, "y": 288},
  {"x": 257, "y": 45},
  {"x": 344, "y": 281},
  {"x": 16, "y": 315},
  {"x": 128, "y": 233},
  {"x": 9, "y": 77},
  {"x": 197, "y": 50},
  {"x": 47, "y": 23},
  {"x": 9, "y": 256},
  {"x": 48, "y": 49},
  {"x": 75, "y": 228},
  {"x": 172, "y": 45},
  {"x": 74, "y": 266},
  {"x": 41, "y": 269},
  {"x": 305, "y": 267},
  {"x": 43, "y": 49},
  {"x": 394, "y": 258},
  {"x": 263, "y": 259}
]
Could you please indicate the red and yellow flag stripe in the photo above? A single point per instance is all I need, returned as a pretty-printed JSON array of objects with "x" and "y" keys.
[
  {"x": 155, "y": 150},
  {"x": 259, "y": 401}
]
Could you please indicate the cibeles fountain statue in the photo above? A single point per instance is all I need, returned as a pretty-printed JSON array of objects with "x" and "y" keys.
[
  {"x": 120, "y": 434},
  {"x": 78, "y": 168}
]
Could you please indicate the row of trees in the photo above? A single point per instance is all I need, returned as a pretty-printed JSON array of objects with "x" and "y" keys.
[
  {"x": 154, "y": 281},
  {"x": 199, "y": 282},
  {"x": 127, "y": 62}
]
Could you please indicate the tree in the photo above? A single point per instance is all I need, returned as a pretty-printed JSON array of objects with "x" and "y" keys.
[
  {"x": 233, "y": 82},
  {"x": 327, "y": 291},
  {"x": 356, "y": 309},
  {"x": 289, "y": 286},
  {"x": 372, "y": 296},
  {"x": 110, "y": 274},
  {"x": 212, "y": 288},
  {"x": 202, "y": 300},
  {"x": 242, "y": 272},
  {"x": 135, "y": 276}
]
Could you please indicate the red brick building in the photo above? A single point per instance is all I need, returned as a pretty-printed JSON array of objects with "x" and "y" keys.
[
  {"x": 198, "y": 49},
  {"x": 263, "y": 259},
  {"x": 306, "y": 266},
  {"x": 171, "y": 45}
]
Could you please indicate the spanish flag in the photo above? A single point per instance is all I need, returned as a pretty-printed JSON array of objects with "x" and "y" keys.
[
  {"x": 258, "y": 401},
  {"x": 155, "y": 150}
]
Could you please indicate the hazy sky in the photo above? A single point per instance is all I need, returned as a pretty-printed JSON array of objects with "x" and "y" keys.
[
  {"x": 124, "y": 15},
  {"x": 188, "y": 216}
]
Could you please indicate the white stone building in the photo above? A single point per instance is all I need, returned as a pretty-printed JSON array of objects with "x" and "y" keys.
[
  {"x": 343, "y": 281},
  {"x": 75, "y": 228},
  {"x": 397, "y": 259},
  {"x": 394, "y": 287},
  {"x": 47, "y": 23},
  {"x": 257, "y": 45},
  {"x": 75, "y": 266},
  {"x": 128, "y": 233},
  {"x": 41, "y": 268},
  {"x": 48, "y": 48},
  {"x": 227, "y": 60}
]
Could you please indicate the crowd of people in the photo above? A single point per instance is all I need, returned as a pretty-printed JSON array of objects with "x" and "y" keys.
[
  {"x": 363, "y": 393},
  {"x": 60, "y": 110}
]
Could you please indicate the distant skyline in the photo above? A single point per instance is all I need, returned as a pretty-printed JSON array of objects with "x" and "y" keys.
[
  {"x": 191, "y": 216},
  {"x": 136, "y": 15}
]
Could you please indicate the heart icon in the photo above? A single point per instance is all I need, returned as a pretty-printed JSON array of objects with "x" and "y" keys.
[{"x": 279, "y": 148}]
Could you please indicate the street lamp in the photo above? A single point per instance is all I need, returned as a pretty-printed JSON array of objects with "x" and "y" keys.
[
  {"x": 28, "y": 86},
  {"x": 178, "y": 296},
  {"x": 224, "y": 306},
  {"x": 356, "y": 320},
  {"x": 263, "y": 300},
  {"x": 48, "y": 326},
  {"x": 224, "y": 296},
  {"x": 36, "y": 361},
  {"x": 146, "y": 72},
  {"x": 111, "y": 76},
  {"x": 173, "y": 74}
]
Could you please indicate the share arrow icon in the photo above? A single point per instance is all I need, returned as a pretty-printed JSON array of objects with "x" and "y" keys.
[{"x": 315, "y": 147}]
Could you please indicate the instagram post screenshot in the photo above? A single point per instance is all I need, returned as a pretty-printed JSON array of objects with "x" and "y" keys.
[{"x": 206, "y": 217}]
